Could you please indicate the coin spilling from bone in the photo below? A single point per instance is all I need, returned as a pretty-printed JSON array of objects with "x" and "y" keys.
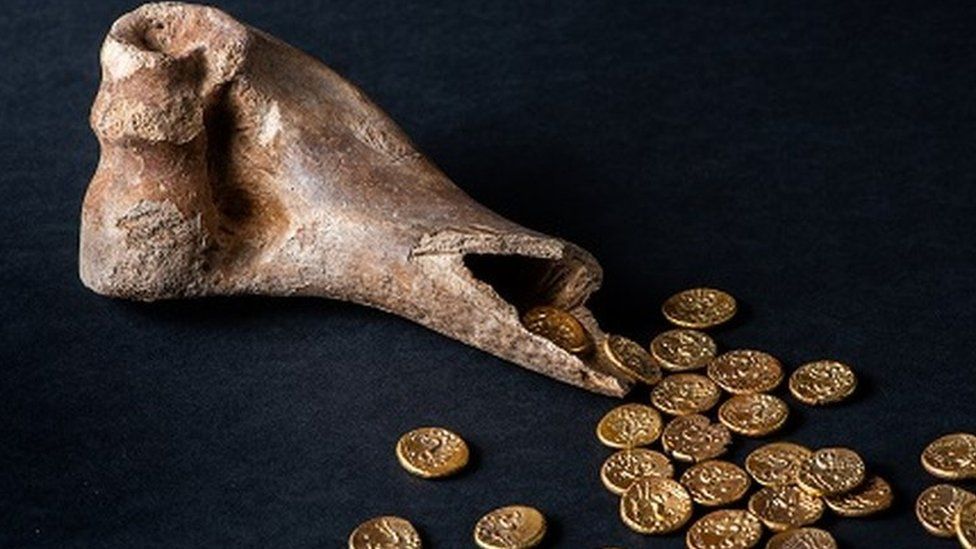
[{"x": 782, "y": 487}]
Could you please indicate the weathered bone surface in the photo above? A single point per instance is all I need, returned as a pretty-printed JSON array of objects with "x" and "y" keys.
[{"x": 232, "y": 163}]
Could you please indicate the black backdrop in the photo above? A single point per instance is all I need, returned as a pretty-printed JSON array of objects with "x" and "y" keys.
[{"x": 816, "y": 160}]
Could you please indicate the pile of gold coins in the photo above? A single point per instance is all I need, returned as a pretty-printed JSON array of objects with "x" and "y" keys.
[
  {"x": 709, "y": 398},
  {"x": 946, "y": 510},
  {"x": 795, "y": 484}
]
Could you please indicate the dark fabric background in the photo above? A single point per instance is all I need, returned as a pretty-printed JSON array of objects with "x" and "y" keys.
[{"x": 815, "y": 159}]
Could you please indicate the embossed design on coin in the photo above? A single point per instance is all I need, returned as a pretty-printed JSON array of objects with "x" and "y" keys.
[
  {"x": 802, "y": 538},
  {"x": 831, "y": 471},
  {"x": 679, "y": 350},
  {"x": 937, "y": 507},
  {"x": 511, "y": 527},
  {"x": 621, "y": 469},
  {"x": 558, "y": 326},
  {"x": 951, "y": 456},
  {"x": 872, "y": 496},
  {"x": 682, "y": 394},
  {"x": 699, "y": 308},
  {"x": 725, "y": 529},
  {"x": 385, "y": 533},
  {"x": 784, "y": 507},
  {"x": 715, "y": 483},
  {"x": 776, "y": 463},
  {"x": 965, "y": 525},
  {"x": 746, "y": 371},
  {"x": 822, "y": 382},
  {"x": 655, "y": 506},
  {"x": 432, "y": 452},
  {"x": 694, "y": 438},
  {"x": 631, "y": 360},
  {"x": 629, "y": 425},
  {"x": 754, "y": 414}
]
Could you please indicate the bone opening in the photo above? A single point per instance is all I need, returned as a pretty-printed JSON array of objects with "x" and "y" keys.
[{"x": 522, "y": 281}]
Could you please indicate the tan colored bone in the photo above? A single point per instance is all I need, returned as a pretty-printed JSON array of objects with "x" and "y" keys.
[{"x": 232, "y": 163}]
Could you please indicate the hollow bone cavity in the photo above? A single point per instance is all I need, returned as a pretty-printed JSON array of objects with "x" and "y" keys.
[{"x": 232, "y": 163}]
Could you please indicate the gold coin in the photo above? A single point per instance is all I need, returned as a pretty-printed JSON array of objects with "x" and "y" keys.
[
  {"x": 558, "y": 326},
  {"x": 432, "y": 452},
  {"x": 872, "y": 496},
  {"x": 681, "y": 349},
  {"x": 725, "y": 529},
  {"x": 629, "y": 425},
  {"x": 655, "y": 506},
  {"x": 511, "y": 527},
  {"x": 831, "y": 471},
  {"x": 621, "y": 469},
  {"x": 630, "y": 359},
  {"x": 699, "y": 308},
  {"x": 387, "y": 532},
  {"x": 822, "y": 382},
  {"x": 682, "y": 394},
  {"x": 776, "y": 464},
  {"x": 784, "y": 507},
  {"x": 965, "y": 525},
  {"x": 694, "y": 438},
  {"x": 754, "y": 414},
  {"x": 715, "y": 483},
  {"x": 951, "y": 457},
  {"x": 937, "y": 507},
  {"x": 746, "y": 371},
  {"x": 802, "y": 538}
]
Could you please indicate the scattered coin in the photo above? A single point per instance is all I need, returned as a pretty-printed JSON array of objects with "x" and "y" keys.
[
  {"x": 432, "y": 452},
  {"x": 682, "y": 349},
  {"x": 746, "y": 371},
  {"x": 725, "y": 529},
  {"x": 754, "y": 414},
  {"x": 695, "y": 438},
  {"x": 951, "y": 457},
  {"x": 822, "y": 382},
  {"x": 831, "y": 471},
  {"x": 387, "y": 532},
  {"x": 965, "y": 524},
  {"x": 558, "y": 326},
  {"x": 699, "y": 308},
  {"x": 802, "y": 538},
  {"x": 784, "y": 507},
  {"x": 655, "y": 506},
  {"x": 629, "y": 425},
  {"x": 776, "y": 464},
  {"x": 511, "y": 527},
  {"x": 630, "y": 359},
  {"x": 682, "y": 394},
  {"x": 937, "y": 507},
  {"x": 872, "y": 496},
  {"x": 621, "y": 469},
  {"x": 715, "y": 483}
]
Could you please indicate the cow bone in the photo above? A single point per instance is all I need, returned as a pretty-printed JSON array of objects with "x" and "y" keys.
[{"x": 232, "y": 163}]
